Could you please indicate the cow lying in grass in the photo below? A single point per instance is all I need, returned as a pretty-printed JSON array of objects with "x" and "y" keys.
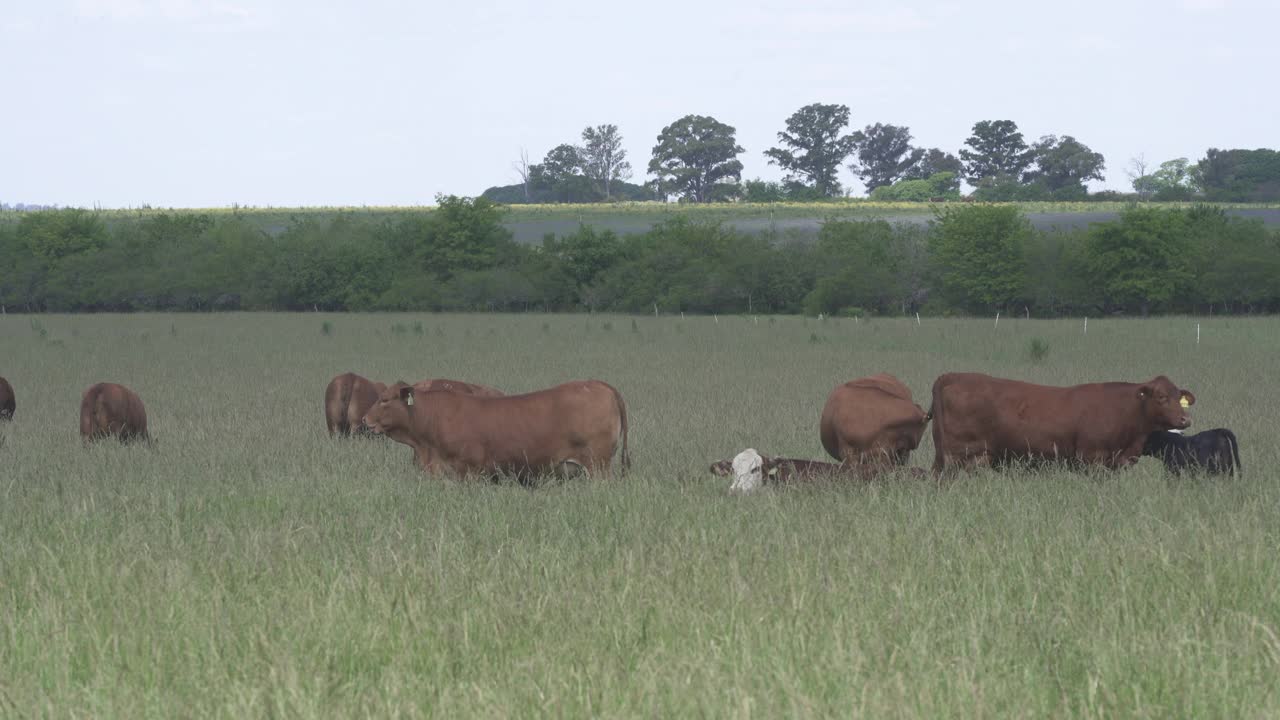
[
  {"x": 750, "y": 470},
  {"x": 1213, "y": 451}
]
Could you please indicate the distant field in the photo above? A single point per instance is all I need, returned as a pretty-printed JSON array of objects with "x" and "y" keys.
[
  {"x": 249, "y": 566},
  {"x": 530, "y": 223}
]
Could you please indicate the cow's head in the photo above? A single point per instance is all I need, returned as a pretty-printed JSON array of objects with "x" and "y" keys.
[
  {"x": 748, "y": 471},
  {"x": 1164, "y": 405},
  {"x": 393, "y": 411}
]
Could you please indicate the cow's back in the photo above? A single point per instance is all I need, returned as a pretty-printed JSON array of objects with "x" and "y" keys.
[
  {"x": 8, "y": 401},
  {"x": 110, "y": 409},
  {"x": 871, "y": 420},
  {"x": 457, "y": 386}
]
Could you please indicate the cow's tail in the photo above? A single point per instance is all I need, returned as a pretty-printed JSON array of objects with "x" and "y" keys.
[
  {"x": 88, "y": 408},
  {"x": 338, "y": 419},
  {"x": 936, "y": 415},
  {"x": 1235, "y": 453},
  {"x": 622, "y": 418}
]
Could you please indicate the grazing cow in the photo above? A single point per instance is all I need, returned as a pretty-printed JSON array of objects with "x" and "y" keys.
[
  {"x": 872, "y": 421},
  {"x": 982, "y": 420},
  {"x": 577, "y": 425},
  {"x": 347, "y": 398},
  {"x": 457, "y": 386},
  {"x": 1214, "y": 451},
  {"x": 7, "y": 402},
  {"x": 111, "y": 410}
]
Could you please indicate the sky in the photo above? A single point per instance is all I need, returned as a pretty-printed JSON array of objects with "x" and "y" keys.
[{"x": 182, "y": 103}]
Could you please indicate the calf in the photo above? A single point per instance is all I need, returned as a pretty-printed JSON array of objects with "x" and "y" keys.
[
  {"x": 751, "y": 470},
  {"x": 1214, "y": 451},
  {"x": 111, "y": 410}
]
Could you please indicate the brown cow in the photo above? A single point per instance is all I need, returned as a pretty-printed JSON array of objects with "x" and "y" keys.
[
  {"x": 872, "y": 421},
  {"x": 346, "y": 400},
  {"x": 579, "y": 423},
  {"x": 7, "y": 402},
  {"x": 108, "y": 410},
  {"x": 982, "y": 420}
]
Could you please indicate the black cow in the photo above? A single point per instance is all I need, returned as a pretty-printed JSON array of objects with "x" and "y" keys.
[{"x": 1214, "y": 451}]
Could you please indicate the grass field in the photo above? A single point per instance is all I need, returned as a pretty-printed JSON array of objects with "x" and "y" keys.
[{"x": 249, "y": 566}]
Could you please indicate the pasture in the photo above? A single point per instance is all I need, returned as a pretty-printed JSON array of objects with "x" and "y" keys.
[{"x": 250, "y": 566}]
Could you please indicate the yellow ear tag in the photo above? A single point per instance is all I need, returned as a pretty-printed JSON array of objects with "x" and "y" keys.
[
  {"x": 1184, "y": 402},
  {"x": 408, "y": 399}
]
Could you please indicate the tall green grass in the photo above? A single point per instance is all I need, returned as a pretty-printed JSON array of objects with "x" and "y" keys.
[{"x": 250, "y": 566}]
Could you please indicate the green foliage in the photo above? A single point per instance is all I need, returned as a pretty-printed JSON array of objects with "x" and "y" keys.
[
  {"x": 1037, "y": 350},
  {"x": 996, "y": 151},
  {"x": 814, "y": 147},
  {"x": 697, "y": 158},
  {"x": 603, "y": 159},
  {"x": 938, "y": 185},
  {"x": 935, "y": 161},
  {"x": 763, "y": 191},
  {"x": 1064, "y": 165},
  {"x": 884, "y": 155},
  {"x": 52, "y": 235},
  {"x": 1143, "y": 259},
  {"x": 861, "y": 267},
  {"x": 1174, "y": 180},
  {"x": 979, "y": 255},
  {"x": 460, "y": 256},
  {"x": 1240, "y": 175}
]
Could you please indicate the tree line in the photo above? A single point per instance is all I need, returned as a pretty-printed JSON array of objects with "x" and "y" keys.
[
  {"x": 695, "y": 159},
  {"x": 971, "y": 259}
]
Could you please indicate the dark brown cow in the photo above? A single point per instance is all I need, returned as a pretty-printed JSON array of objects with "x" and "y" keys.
[
  {"x": 7, "y": 402},
  {"x": 982, "y": 420},
  {"x": 111, "y": 410},
  {"x": 579, "y": 423},
  {"x": 347, "y": 398},
  {"x": 872, "y": 421},
  {"x": 457, "y": 386}
]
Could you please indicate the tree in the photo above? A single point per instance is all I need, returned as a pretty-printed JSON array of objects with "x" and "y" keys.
[
  {"x": 55, "y": 234},
  {"x": 1065, "y": 165},
  {"x": 694, "y": 158},
  {"x": 978, "y": 255},
  {"x": 814, "y": 147},
  {"x": 1143, "y": 258},
  {"x": 1173, "y": 180},
  {"x": 937, "y": 185},
  {"x": 561, "y": 175},
  {"x": 1240, "y": 175},
  {"x": 997, "y": 151},
  {"x": 1137, "y": 173},
  {"x": 936, "y": 161},
  {"x": 522, "y": 168},
  {"x": 603, "y": 159},
  {"x": 884, "y": 155}
]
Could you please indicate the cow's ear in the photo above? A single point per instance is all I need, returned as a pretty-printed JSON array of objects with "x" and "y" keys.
[
  {"x": 406, "y": 394},
  {"x": 1188, "y": 398}
]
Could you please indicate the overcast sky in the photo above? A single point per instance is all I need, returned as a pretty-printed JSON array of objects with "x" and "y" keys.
[{"x": 204, "y": 104}]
